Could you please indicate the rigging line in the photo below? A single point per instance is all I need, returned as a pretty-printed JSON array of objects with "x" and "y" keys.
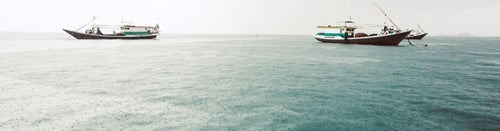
[
  {"x": 410, "y": 42},
  {"x": 421, "y": 29},
  {"x": 385, "y": 14},
  {"x": 93, "y": 19}
]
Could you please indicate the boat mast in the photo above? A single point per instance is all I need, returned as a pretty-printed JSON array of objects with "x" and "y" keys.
[
  {"x": 380, "y": 8},
  {"x": 91, "y": 21}
]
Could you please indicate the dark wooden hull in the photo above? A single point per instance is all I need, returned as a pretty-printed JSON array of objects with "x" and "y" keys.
[
  {"x": 387, "y": 40},
  {"x": 417, "y": 37},
  {"x": 79, "y": 35}
]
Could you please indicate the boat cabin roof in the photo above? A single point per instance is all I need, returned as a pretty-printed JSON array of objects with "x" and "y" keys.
[
  {"x": 346, "y": 21},
  {"x": 135, "y": 26},
  {"x": 347, "y": 25},
  {"x": 123, "y": 26},
  {"x": 335, "y": 27}
]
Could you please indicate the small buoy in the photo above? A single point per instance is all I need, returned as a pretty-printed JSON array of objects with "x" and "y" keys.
[{"x": 426, "y": 45}]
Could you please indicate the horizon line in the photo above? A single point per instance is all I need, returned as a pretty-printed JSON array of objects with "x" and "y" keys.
[{"x": 258, "y": 34}]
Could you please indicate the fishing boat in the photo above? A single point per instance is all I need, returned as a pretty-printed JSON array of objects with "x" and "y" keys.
[
  {"x": 125, "y": 31},
  {"x": 419, "y": 35},
  {"x": 347, "y": 34}
]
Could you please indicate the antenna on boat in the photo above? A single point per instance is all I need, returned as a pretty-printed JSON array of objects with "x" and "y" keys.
[
  {"x": 322, "y": 20},
  {"x": 157, "y": 21},
  {"x": 380, "y": 8},
  {"x": 91, "y": 21},
  {"x": 350, "y": 10},
  {"x": 121, "y": 17}
]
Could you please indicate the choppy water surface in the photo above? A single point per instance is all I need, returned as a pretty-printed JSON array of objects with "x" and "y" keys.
[{"x": 244, "y": 82}]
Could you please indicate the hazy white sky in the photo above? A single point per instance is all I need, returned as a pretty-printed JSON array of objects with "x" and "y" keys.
[{"x": 296, "y": 17}]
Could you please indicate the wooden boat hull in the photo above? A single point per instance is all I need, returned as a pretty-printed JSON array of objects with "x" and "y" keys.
[
  {"x": 79, "y": 35},
  {"x": 417, "y": 37},
  {"x": 387, "y": 40}
]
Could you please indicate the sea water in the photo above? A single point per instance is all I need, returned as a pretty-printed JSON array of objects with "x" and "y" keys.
[{"x": 247, "y": 82}]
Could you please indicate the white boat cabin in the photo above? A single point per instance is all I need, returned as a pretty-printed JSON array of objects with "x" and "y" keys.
[
  {"x": 348, "y": 30},
  {"x": 338, "y": 31},
  {"x": 124, "y": 30}
]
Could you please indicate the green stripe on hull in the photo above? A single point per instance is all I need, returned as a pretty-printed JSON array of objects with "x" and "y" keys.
[
  {"x": 332, "y": 34},
  {"x": 136, "y": 33}
]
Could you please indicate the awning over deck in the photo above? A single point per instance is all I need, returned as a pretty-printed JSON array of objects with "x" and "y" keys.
[{"x": 335, "y": 27}]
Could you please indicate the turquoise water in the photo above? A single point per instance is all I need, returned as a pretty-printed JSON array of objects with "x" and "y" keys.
[{"x": 246, "y": 82}]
